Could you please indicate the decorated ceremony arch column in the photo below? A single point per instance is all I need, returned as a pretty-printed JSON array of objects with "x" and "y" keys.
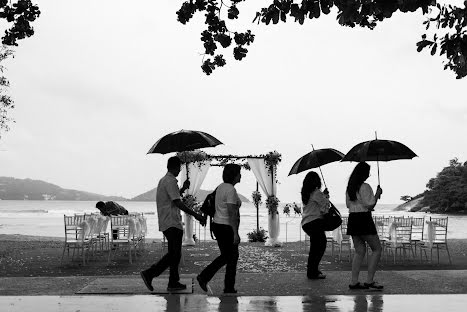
[
  {"x": 265, "y": 171},
  {"x": 196, "y": 173}
]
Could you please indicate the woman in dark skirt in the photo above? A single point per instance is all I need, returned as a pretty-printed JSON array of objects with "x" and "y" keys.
[
  {"x": 361, "y": 202},
  {"x": 315, "y": 205}
]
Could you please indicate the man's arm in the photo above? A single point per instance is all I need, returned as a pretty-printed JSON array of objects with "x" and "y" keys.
[{"x": 180, "y": 205}]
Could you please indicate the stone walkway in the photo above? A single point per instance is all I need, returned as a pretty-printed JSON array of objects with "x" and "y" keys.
[{"x": 257, "y": 284}]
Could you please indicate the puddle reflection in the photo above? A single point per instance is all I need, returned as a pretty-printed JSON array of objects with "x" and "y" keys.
[
  {"x": 228, "y": 304},
  {"x": 360, "y": 303}
]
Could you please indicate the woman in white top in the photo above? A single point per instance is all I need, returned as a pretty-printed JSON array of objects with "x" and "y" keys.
[
  {"x": 315, "y": 205},
  {"x": 225, "y": 228},
  {"x": 361, "y": 201}
]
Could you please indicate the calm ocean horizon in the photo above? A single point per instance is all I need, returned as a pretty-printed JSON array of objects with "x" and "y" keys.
[{"x": 45, "y": 218}]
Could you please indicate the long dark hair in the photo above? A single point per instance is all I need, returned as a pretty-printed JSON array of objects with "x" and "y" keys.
[
  {"x": 360, "y": 173},
  {"x": 310, "y": 183}
]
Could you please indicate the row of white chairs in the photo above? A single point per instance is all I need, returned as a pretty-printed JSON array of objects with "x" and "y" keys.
[
  {"x": 398, "y": 235},
  {"x": 88, "y": 233}
]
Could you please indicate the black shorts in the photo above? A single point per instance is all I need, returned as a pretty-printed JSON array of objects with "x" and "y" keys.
[{"x": 361, "y": 223}]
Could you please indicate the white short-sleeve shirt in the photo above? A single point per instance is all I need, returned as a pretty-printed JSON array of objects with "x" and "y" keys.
[
  {"x": 365, "y": 197},
  {"x": 226, "y": 194},
  {"x": 168, "y": 214}
]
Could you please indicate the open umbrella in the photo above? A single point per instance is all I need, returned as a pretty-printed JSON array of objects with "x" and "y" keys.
[
  {"x": 316, "y": 159},
  {"x": 379, "y": 150},
  {"x": 183, "y": 140}
]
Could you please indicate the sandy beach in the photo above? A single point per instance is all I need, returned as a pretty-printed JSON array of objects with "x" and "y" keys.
[{"x": 35, "y": 256}]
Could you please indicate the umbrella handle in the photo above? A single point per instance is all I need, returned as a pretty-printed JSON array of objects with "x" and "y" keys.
[
  {"x": 322, "y": 176},
  {"x": 377, "y": 160},
  {"x": 377, "y": 165}
]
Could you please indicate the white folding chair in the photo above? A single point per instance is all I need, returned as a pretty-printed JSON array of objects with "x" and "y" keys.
[
  {"x": 77, "y": 236},
  {"x": 436, "y": 238},
  {"x": 399, "y": 238},
  {"x": 120, "y": 235}
]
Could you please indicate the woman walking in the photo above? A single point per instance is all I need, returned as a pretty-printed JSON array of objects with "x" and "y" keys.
[
  {"x": 225, "y": 228},
  {"x": 315, "y": 205},
  {"x": 361, "y": 201}
]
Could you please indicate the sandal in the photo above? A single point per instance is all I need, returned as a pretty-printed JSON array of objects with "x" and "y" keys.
[
  {"x": 373, "y": 285},
  {"x": 358, "y": 286}
]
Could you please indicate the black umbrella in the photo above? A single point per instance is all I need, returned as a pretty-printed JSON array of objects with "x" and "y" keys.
[
  {"x": 379, "y": 150},
  {"x": 316, "y": 159},
  {"x": 183, "y": 140}
]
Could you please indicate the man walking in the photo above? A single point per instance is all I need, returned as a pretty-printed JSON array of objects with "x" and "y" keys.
[{"x": 169, "y": 205}]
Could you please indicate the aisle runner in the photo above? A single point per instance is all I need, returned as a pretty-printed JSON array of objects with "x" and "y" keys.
[{"x": 132, "y": 286}]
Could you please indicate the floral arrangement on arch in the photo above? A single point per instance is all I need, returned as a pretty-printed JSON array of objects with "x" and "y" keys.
[
  {"x": 196, "y": 156},
  {"x": 296, "y": 208},
  {"x": 256, "y": 196},
  {"x": 271, "y": 160},
  {"x": 272, "y": 202}
]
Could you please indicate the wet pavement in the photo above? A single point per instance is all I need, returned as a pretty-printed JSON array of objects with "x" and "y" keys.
[
  {"x": 425, "y": 291},
  {"x": 187, "y": 303}
]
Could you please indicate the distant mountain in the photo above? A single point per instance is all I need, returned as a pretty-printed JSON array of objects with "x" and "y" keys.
[
  {"x": 27, "y": 189},
  {"x": 151, "y": 196}
]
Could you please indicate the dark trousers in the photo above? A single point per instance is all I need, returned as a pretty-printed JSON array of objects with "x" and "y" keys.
[
  {"x": 171, "y": 259},
  {"x": 315, "y": 230},
  {"x": 229, "y": 256}
]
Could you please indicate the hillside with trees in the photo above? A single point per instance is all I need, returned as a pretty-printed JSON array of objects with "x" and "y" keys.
[
  {"x": 28, "y": 189},
  {"x": 445, "y": 193}
]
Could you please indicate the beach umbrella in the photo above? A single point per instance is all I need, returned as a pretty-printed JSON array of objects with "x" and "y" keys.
[
  {"x": 379, "y": 150},
  {"x": 183, "y": 140},
  {"x": 316, "y": 159}
]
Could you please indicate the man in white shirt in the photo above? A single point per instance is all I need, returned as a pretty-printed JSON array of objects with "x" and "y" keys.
[{"x": 169, "y": 205}]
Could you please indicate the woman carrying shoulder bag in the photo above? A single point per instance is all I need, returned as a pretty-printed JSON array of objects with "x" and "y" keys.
[{"x": 315, "y": 205}]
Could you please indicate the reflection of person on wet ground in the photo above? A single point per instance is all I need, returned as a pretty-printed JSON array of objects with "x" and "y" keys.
[
  {"x": 173, "y": 303},
  {"x": 361, "y": 303},
  {"x": 314, "y": 304},
  {"x": 228, "y": 304},
  {"x": 184, "y": 303}
]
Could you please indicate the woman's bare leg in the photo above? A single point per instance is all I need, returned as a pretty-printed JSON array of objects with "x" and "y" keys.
[
  {"x": 375, "y": 245},
  {"x": 360, "y": 250}
]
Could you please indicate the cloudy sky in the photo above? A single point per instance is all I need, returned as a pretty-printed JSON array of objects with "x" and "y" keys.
[{"x": 101, "y": 81}]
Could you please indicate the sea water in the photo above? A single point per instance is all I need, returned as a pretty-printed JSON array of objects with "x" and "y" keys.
[{"x": 45, "y": 218}]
